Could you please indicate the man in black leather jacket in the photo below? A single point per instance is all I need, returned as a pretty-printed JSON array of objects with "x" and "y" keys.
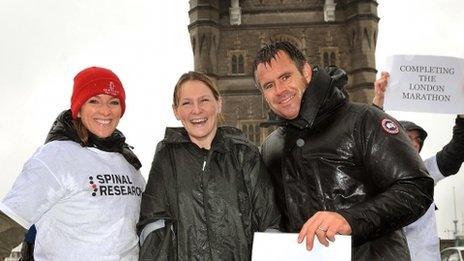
[{"x": 338, "y": 167}]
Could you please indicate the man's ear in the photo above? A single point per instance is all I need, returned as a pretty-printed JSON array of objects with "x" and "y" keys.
[
  {"x": 174, "y": 109},
  {"x": 307, "y": 72}
]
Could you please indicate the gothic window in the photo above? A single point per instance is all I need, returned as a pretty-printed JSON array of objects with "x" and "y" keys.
[
  {"x": 329, "y": 56},
  {"x": 234, "y": 64},
  {"x": 333, "y": 59},
  {"x": 237, "y": 62},
  {"x": 251, "y": 133},
  {"x": 326, "y": 59},
  {"x": 252, "y": 130},
  {"x": 240, "y": 65},
  {"x": 257, "y": 134},
  {"x": 245, "y": 128}
]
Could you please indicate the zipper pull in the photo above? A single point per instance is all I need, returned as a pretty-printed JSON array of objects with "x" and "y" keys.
[{"x": 204, "y": 165}]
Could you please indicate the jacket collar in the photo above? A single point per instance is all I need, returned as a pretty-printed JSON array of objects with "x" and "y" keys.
[
  {"x": 224, "y": 134},
  {"x": 63, "y": 129},
  {"x": 319, "y": 101}
]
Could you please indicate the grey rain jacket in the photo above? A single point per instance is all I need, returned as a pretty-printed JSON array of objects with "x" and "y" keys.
[
  {"x": 209, "y": 202},
  {"x": 352, "y": 159}
]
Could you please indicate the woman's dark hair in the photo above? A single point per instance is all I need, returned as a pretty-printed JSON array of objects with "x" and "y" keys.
[{"x": 81, "y": 131}]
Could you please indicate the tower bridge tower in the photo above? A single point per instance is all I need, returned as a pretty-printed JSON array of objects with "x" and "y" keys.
[{"x": 226, "y": 34}]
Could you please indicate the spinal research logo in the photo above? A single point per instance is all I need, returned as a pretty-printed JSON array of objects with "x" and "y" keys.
[
  {"x": 93, "y": 186},
  {"x": 113, "y": 185}
]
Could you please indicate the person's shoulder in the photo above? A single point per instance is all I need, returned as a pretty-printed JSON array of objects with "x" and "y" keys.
[
  {"x": 276, "y": 135},
  {"x": 358, "y": 108},
  {"x": 172, "y": 135},
  {"x": 367, "y": 111},
  {"x": 234, "y": 138},
  {"x": 274, "y": 143},
  {"x": 175, "y": 135},
  {"x": 233, "y": 134},
  {"x": 55, "y": 156},
  {"x": 58, "y": 147},
  {"x": 373, "y": 119}
]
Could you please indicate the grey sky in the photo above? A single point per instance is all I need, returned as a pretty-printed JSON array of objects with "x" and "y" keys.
[{"x": 45, "y": 43}]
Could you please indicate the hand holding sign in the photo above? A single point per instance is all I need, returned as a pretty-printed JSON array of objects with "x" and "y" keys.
[
  {"x": 425, "y": 84},
  {"x": 380, "y": 87}
]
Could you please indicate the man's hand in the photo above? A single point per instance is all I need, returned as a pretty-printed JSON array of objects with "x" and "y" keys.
[
  {"x": 380, "y": 86},
  {"x": 325, "y": 225}
]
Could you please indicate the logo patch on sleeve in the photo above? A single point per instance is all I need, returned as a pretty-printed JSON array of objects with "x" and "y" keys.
[{"x": 390, "y": 126}]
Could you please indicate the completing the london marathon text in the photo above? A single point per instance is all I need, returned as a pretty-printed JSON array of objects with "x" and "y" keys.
[{"x": 426, "y": 87}]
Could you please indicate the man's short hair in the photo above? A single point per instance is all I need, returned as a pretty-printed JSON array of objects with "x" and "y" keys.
[{"x": 269, "y": 52}]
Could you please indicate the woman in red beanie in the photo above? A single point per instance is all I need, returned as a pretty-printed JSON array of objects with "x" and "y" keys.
[
  {"x": 82, "y": 189},
  {"x": 208, "y": 191}
]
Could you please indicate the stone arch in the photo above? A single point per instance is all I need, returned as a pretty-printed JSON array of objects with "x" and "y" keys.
[
  {"x": 366, "y": 37},
  {"x": 202, "y": 43},
  {"x": 288, "y": 38},
  {"x": 194, "y": 43}
]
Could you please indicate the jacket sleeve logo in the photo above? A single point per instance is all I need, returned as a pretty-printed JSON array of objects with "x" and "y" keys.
[{"x": 390, "y": 126}]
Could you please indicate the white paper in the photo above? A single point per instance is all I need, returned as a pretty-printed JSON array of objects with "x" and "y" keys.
[
  {"x": 284, "y": 246},
  {"x": 424, "y": 83}
]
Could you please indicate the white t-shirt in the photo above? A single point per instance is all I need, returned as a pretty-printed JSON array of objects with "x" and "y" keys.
[
  {"x": 84, "y": 202},
  {"x": 422, "y": 235}
]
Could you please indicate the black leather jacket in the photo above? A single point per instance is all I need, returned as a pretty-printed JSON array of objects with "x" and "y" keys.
[{"x": 352, "y": 159}]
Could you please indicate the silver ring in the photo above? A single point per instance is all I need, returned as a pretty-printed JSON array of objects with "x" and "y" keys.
[{"x": 322, "y": 229}]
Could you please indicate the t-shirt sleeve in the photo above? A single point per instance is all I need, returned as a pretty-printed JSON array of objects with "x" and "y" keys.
[{"x": 34, "y": 192}]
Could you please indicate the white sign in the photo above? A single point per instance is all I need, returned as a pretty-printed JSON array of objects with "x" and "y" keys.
[
  {"x": 424, "y": 83},
  {"x": 284, "y": 246}
]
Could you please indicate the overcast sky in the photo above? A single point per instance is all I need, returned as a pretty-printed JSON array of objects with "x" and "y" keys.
[{"x": 45, "y": 43}]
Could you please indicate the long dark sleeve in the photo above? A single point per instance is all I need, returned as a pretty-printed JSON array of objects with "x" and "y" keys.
[
  {"x": 265, "y": 211},
  {"x": 450, "y": 158},
  {"x": 155, "y": 226},
  {"x": 402, "y": 190}
]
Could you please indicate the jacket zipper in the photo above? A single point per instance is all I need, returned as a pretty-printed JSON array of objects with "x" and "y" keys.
[
  {"x": 204, "y": 164},
  {"x": 203, "y": 169}
]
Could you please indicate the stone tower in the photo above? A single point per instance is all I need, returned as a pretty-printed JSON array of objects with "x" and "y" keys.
[{"x": 226, "y": 34}]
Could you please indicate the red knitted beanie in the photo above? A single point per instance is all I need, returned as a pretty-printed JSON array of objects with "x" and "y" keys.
[{"x": 94, "y": 81}]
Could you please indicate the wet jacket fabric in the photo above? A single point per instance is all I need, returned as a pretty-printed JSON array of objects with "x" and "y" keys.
[
  {"x": 352, "y": 159},
  {"x": 209, "y": 201}
]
